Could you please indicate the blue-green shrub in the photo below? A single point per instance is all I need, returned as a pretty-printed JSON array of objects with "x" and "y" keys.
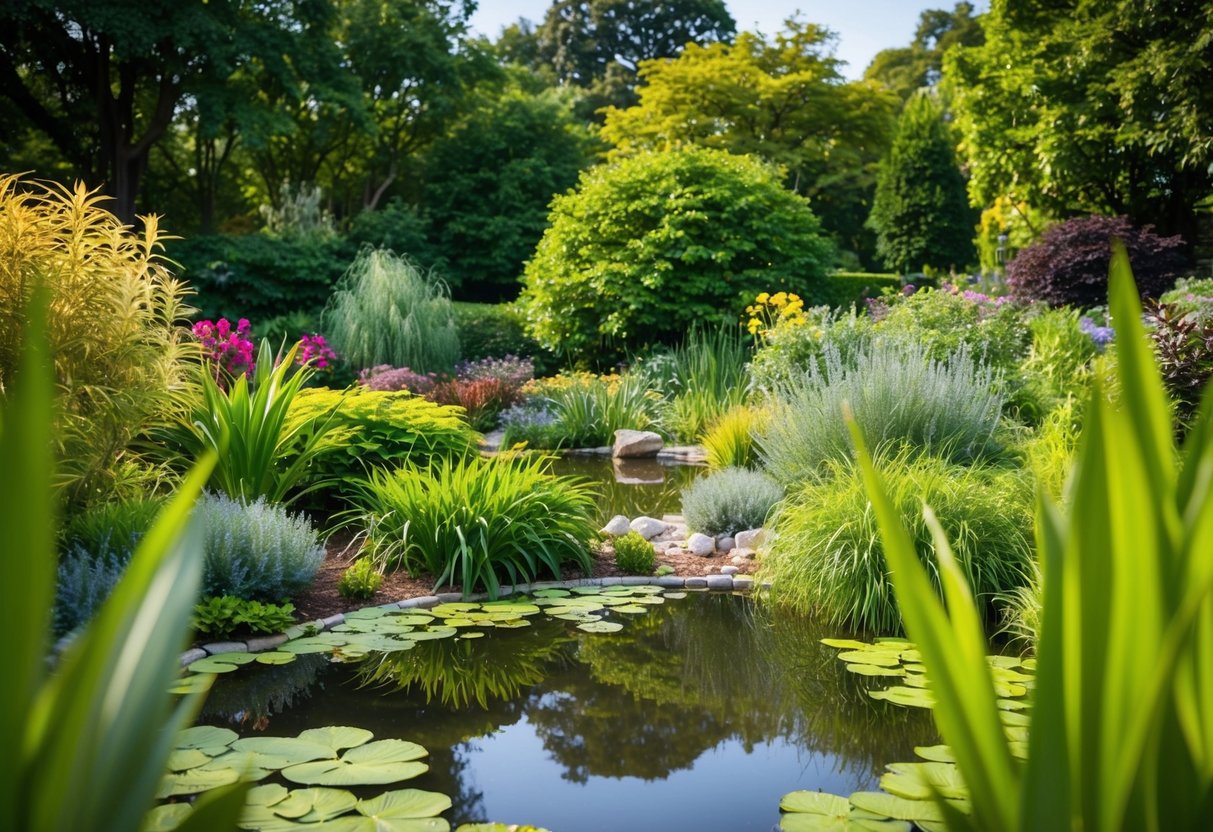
[
  {"x": 901, "y": 397},
  {"x": 729, "y": 501},
  {"x": 85, "y": 579},
  {"x": 256, "y": 551}
]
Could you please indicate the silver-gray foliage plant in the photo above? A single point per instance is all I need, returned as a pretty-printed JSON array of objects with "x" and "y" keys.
[{"x": 729, "y": 501}]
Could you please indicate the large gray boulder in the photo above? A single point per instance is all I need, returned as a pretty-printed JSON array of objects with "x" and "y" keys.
[
  {"x": 648, "y": 527},
  {"x": 636, "y": 443}
]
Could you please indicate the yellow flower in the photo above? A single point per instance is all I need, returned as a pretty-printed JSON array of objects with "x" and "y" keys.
[
  {"x": 762, "y": 297},
  {"x": 779, "y": 299},
  {"x": 753, "y": 325}
]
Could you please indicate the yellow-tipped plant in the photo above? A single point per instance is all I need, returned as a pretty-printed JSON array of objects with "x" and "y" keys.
[
  {"x": 1122, "y": 716},
  {"x": 730, "y": 442}
]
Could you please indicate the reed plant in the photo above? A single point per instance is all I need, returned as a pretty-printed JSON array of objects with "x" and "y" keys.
[
  {"x": 899, "y": 396},
  {"x": 386, "y": 311},
  {"x": 589, "y": 412},
  {"x": 1122, "y": 709},
  {"x": 478, "y": 522},
  {"x": 827, "y": 557},
  {"x": 708, "y": 378}
]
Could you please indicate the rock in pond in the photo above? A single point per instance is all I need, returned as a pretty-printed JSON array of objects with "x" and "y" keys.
[{"x": 636, "y": 443}]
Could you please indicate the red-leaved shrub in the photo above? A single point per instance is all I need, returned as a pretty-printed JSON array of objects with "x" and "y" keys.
[{"x": 1069, "y": 263}]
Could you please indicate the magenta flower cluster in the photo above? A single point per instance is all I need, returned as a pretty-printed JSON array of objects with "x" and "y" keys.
[
  {"x": 229, "y": 349},
  {"x": 314, "y": 350}
]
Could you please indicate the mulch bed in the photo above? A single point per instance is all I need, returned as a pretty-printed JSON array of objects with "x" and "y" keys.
[{"x": 322, "y": 599}]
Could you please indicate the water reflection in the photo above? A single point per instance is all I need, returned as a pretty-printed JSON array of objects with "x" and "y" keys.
[
  {"x": 632, "y": 487},
  {"x": 708, "y": 694}
]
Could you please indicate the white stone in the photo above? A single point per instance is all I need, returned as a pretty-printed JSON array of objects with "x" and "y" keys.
[
  {"x": 647, "y": 527},
  {"x": 616, "y": 526},
  {"x": 738, "y": 560},
  {"x": 729, "y": 570},
  {"x": 636, "y": 443},
  {"x": 748, "y": 554},
  {"x": 750, "y": 538},
  {"x": 701, "y": 544},
  {"x": 725, "y": 544}
]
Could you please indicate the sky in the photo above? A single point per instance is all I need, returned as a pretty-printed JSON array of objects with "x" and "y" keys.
[{"x": 864, "y": 27}]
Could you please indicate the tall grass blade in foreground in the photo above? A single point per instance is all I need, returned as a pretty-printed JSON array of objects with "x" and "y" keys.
[
  {"x": 88, "y": 742},
  {"x": 1122, "y": 716}
]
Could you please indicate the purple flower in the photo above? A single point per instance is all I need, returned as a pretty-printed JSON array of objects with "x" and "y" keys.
[{"x": 1100, "y": 335}]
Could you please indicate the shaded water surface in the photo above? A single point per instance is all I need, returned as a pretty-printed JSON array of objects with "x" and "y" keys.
[
  {"x": 632, "y": 486},
  {"x": 698, "y": 715}
]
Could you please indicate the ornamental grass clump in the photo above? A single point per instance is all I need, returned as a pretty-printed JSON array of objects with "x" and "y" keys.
[
  {"x": 729, "y": 442},
  {"x": 708, "y": 377},
  {"x": 256, "y": 551},
  {"x": 478, "y": 522},
  {"x": 589, "y": 412},
  {"x": 827, "y": 558},
  {"x": 730, "y": 501},
  {"x": 900, "y": 397},
  {"x": 386, "y": 311}
]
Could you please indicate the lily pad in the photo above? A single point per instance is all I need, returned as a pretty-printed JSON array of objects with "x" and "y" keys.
[
  {"x": 845, "y": 643},
  {"x": 551, "y": 593},
  {"x": 276, "y": 657},
  {"x": 471, "y": 634},
  {"x": 818, "y": 803},
  {"x": 222, "y": 663},
  {"x": 600, "y": 626},
  {"x": 206, "y": 737},
  {"x": 368, "y": 612},
  {"x": 266, "y": 795},
  {"x": 325, "y": 803},
  {"x": 631, "y": 609},
  {"x": 165, "y": 818},
  {"x": 193, "y": 683},
  {"x": 875, "y": 670},
  {"x": 897, "y": 808},
  {"x": 183, "y": 759},
  {"x": 876, "y": 657},
  {"x": 675, "y": 596},
  {"x": 905, "y": 696},
  {"x": 195, "y": 781},
  {"x": 337, "y": 737},
  {"x": 376, "y": 763},
  {"x": 292, "y": 749},
  {"x": 357, "y": 823},
  {"x": 936, "y": 753},
  {"x": 405, "y": 803},
  {"x": 915, "y": 781},
  {"x": 433, "y": 633},
  {"x": 322, "y": 643}
]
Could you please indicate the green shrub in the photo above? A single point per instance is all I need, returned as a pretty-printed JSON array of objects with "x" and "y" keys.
[
  {"x": 495, "y": 330},
  {"x": 730, "y": 443},
  {"x": 1192, "y": 295},
  {"x": 633, "y": 554},
  {"x": 900, "y": 397},
  {"x": 113, "y": 327},
  {"x": 386, "y": 311},
  {"x": 792, "y": 346},
  {"x": 370, "y": 429},
  {"x": 826, "y": 556},
  {"x": 729, "y": 501},
  {"x": 119, "y": 524},
  {"x": 842, "y": 290},
  {"x": 478, "y": 521},
  {"x": 1057, "y": 367},
  {"x": 709, "y": 377},
  {"x": 588, "y": 414},
  {"x": 645, "y": 248},
  {"x": 360, "y": 581},
  {"x": 220, "y": 616},
  {"x": 259, "y": 276},
  {"x": 256, "y": 551}
]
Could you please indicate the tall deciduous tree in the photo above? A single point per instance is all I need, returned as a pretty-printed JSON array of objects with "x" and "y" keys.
[
  {"x": 782, "y": 99},
  {"x": 907, "y": 69},
  {"x": 1086, "y": 106},
  {"x": 103, "y": 79},
  {"x": 921, "y": 214}
]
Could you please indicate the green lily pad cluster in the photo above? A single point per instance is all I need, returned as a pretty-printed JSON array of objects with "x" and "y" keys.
[
  {"x": 907, "y": 796},
  {"x": 379, "y": 630}
]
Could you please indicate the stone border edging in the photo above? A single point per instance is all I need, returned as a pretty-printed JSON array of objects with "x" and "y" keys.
[{"x": 261, "y": 644}]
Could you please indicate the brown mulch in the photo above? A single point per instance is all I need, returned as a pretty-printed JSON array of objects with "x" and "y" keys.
[{"x": 321, "y": 599}]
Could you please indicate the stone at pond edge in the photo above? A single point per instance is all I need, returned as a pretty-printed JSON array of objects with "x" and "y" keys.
[
  {"x": 647, "y": 527},
  {"x": 718, "y": 582},
  {"x": 750, "y": 538},
  {"x": 636, "y": 443},
  {"x": 261, "y": 644},
  {"x": 616, "y": 526},
  {"x": 696, "y": 583},
  {"x": 191, "y": 656},
  {"x": 743, "y": 582},
  {"x": 225, "y": 647},
  {"x": 701, "y": 545}
]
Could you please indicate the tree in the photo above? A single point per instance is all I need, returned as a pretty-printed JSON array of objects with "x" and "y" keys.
[
  {"x": 921, "y": 213},
  {"x": 783, "y": 100},
  {"x": 600, "y": 44},
  {"x": 908, "y": 69},
  {"x": 647, "y": 247},
  {"x": 1084, "y": 107},
  {"x": 489, "y": 183},
  {"x": 103, "y": 79}
]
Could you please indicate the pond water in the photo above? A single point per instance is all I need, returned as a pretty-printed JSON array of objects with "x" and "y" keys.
[
  {"x": 699, "y": 714},
  {"x": 632, "y": 486}
]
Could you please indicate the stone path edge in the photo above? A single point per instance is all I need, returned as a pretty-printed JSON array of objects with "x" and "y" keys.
[{"x": 260, "y": 644}]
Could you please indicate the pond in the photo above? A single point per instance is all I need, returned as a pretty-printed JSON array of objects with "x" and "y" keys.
[
  {"x": 632, "y": 486},
  {"x": 698, "y": 714}
]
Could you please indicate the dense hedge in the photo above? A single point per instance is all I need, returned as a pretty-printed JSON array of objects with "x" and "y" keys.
[{"x": 842, "y": 289}]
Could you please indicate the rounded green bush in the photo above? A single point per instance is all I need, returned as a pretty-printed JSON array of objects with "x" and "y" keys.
[
  {"x": 634, "y": 554},
  {"x": 730, "y": 501},
  {"x": 827, "y": 557},
  {"x": 644, "y": 248}
]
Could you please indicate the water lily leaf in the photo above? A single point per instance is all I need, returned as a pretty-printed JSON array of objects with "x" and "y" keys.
[
  {"x": 876, "y": 657},
  {"x": 325, "y": 803},
  {"x": 193, "y": 683},
  {"x": 914, "y": 781},
  {"x": 221, "y": 663},
  {"x": 165, "y": 818},
  {"x": 183, "y": 759},
  {"x": 361, "y": 824},
  {"x": 366, "y": 613},
  {"x": 1013, "y": 717},
  {"x": 206, "y": 737},
  {"x": 1030, "y": 664},
  {"x": 586, "y": 590},
  {"x": 645, "y": 589},
  {"x": 560, "y": 612},
  {"x": 377, "y": 642},
  {"x": 936, "y": 753},
  {"x": 471, "y": 635},
  {"x": 511, "y": 625},
  {"x": 845, "y": 643},
  {"x": 322, "y": 643},
  {"x": 675, "y": 596},
  {"x": 611, "y": 600},
  {"x": 405, "y": 803},
  {"x": 195, "y": 780},
  {"x": 414, "y": 618},
  {"x": 875, "y": 670},
  {"x": 600, "y": 626},
  {"x": 818, "y": 803},
  {"x": 577, "y": 616},
  {"x": 897, "y": 808},
  {"x": 454, "y": 608},
  {"x": 891, "y": 642},
  {"x": 917, "y": 680},
  {"x": 1014, "y": 704},
  {"x": 459, "y": 622},
  {"x": 497, "y": 827},
  {"x": 266, "y": 795},
  {"x": 293, "y": 749},
  {"x": 376, "y": 763},
  {"x": 906, "y": 696},
  {"x": 648, "y": 599},
  {"x": 631, "y": 609},
  {"x": 276, "y": 657},
  {"x": 1016, "y": 733},
  {"x": 514, "y": 607},
  {"x": 433, "y": 633},
  {"x": 337, "y": 737},
  {"x": 551, "y": 593}
]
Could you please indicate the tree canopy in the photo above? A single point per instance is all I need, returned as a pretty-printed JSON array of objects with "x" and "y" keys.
[{"x": 908, "y": 69}]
